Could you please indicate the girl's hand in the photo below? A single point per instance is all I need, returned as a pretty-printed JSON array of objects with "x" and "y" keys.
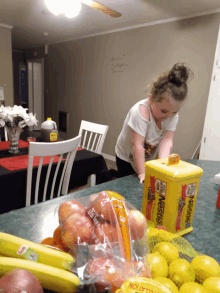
[{"x": 141, "y": 177}]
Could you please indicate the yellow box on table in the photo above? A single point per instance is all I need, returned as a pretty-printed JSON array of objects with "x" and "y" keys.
[{"x": 170, "y": 193}]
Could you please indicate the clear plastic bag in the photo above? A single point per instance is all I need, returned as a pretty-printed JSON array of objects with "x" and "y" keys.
[
  {"x": 216, "y": 179},
  {"x": 108, "y": 238}
]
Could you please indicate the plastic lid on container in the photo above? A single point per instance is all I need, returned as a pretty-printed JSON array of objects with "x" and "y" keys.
[
  {"x": 179, "y": 170},
  {"x": 137, "y": 284}
]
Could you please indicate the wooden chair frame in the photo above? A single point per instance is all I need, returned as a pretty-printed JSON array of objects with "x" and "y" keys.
[
  {"x": 100, "y": 132},
  {"x": 94, "y": 144},
  {"x": 51, "y": 149}
]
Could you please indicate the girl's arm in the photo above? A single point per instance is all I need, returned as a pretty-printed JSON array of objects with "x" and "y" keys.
[
  {"x": 165, "y": 145},
  {"x": 138, "y": 154}
]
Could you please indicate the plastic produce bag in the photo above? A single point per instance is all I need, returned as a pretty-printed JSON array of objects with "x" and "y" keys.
[{"x": 108, "y": 238}]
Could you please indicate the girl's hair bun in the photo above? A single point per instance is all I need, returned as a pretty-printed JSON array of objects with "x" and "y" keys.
[{"x": 179, "y": 74}]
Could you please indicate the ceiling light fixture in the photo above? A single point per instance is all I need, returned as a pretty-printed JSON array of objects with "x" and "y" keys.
[{"x": 69, "y": 8}]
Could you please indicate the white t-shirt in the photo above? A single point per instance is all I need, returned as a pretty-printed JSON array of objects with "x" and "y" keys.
[{"x": 145, "y": 128}]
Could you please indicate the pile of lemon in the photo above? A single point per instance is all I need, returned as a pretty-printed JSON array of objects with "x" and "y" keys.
[{"x": 201, "y": 275}]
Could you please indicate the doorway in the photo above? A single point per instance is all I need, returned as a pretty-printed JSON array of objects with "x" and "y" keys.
[
  {"x": 23, "y": 86},
  {"x": 211, "y": 135},
  {"x": 35, "y": 79}
]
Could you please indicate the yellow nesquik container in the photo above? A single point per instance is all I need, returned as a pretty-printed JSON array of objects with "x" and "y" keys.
[
  {"x": 170, "y": 193},
  {"x": 142, "y": 285}
]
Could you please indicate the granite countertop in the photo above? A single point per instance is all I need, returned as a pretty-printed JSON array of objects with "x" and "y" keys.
[
  {"x": 205, "y": 236},
  {"x": 39, "y": 221}
]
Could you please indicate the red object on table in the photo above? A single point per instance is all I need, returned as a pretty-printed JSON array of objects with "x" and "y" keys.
[
  {"x": 79, "y": 149},
  {"x": 21, "y": 162},
  {"x": 218, "y": 200},
  {"x": 4, "y": 145}
]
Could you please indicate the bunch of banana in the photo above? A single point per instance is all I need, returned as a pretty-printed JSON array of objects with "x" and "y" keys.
[{"x": 48, "y": 265}]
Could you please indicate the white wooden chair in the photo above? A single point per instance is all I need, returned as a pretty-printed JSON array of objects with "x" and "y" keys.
[
  {"x": 51, "y": 149},
  {"x": 96, "y": 138},
  {"x": 93, "y": 142}
]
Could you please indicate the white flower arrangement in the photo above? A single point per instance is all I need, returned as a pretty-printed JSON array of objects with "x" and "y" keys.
[{"x": 16, "y": 116}]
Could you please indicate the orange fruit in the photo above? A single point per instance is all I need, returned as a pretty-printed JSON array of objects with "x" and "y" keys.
[
  {"x": 60, "y": 246},
  {"x": 48, "y": 241},
  {"x": 57, "y": 235}
]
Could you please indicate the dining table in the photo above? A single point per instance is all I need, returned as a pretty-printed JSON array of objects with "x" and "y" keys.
[{"x": 13, "y": 172}]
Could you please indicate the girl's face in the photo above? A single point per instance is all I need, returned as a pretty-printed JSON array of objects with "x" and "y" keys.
[{"x": 167, "y": 108}]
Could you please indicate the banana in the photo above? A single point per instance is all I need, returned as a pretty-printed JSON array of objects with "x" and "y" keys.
[
  {"x": 50, "y": 278},
  {"x": 14, "y": 246}
]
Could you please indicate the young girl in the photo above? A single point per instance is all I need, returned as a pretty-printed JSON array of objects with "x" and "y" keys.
[{"x": 149, "y": 127}]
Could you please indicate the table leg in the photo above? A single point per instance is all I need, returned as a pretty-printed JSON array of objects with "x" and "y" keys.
[{"x": 91, "y": 180}]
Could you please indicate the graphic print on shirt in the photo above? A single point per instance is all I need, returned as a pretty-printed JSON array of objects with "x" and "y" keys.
[{"x": 148, "y": 150}]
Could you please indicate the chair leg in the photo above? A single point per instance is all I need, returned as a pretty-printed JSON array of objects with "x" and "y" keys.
[{"x": 91, "y": 180}]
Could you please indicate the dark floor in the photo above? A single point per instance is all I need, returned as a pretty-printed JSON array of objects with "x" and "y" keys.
[{"x": 110, "y": 165}]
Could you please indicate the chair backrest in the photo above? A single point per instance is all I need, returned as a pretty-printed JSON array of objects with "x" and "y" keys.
[
  {"x": 52, "y": 149},
  {"x": 96, "y": 138},
  {"x": 6, "y": 134}
]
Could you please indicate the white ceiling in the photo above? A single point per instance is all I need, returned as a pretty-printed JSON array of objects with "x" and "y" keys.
[{"x": 30, "y": 18}]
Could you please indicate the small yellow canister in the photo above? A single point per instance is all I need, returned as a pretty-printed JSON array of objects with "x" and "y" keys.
[
  {"x": 170, "y": 193},
  {"x": 142, "y": 285}
]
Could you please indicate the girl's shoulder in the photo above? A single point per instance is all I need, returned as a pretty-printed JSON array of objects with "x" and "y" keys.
[
  {"x": 142, "y": 108},
  {"x": 144, "y": 112}
]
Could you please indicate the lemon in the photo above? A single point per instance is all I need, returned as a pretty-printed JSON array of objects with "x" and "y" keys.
[
  {"x": 167, "y": 250},
  {"x": 165, "y": 235},
  {"x": 180, "y": 272},
  {"x": 168, "y": 283},
  {"x": 152, "y": 232},
  {"x": 193, "y": 287},
  {"x": 150, "y": 224},
  {"x": 205, "y": 267},
  {"x": 158, "y": 265},
  {"x": 212, "y": 284}
]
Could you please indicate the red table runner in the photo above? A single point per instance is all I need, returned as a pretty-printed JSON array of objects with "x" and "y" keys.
[
  {"x": 21, "y": 162},
  {"x": 4, "y": 145}
]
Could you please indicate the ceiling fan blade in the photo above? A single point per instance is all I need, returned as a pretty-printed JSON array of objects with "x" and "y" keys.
[{"x": 101, "y": 8}]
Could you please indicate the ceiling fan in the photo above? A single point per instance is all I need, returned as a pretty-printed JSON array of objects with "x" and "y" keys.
[{"x": 51, "y": 5}]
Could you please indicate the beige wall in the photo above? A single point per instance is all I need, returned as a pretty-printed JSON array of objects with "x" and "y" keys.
[
  {"x": 80, "y": 77},
  {"x": 6, "y": 78}
]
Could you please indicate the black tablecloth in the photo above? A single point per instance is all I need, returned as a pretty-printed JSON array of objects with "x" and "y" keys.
[{"x": 13, "y": 183}]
